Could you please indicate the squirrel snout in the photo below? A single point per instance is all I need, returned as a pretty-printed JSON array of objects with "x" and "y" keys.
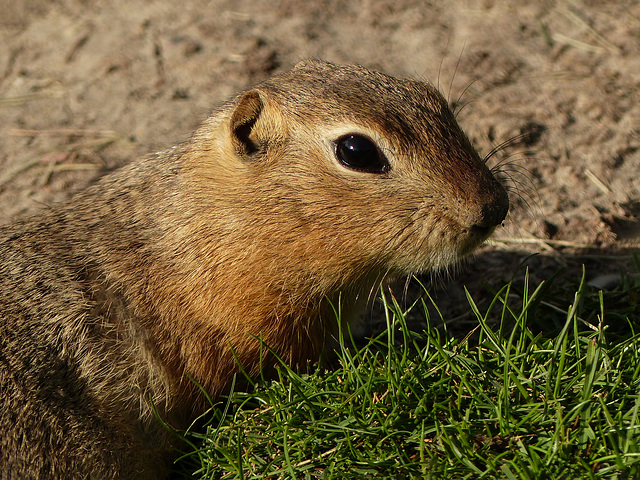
[
  {"x": 489, "y": 211},
  {"x": 492, "y": 214}
]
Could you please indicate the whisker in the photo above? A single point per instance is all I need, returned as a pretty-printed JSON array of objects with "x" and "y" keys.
[
  {"x": 507, "y": 143},
  {"x": 515, "y": 171},
  {"x": 455, "y": 71},
  {"x": 521, "y": 188},
  {"x": 456, "y": 113},
  {"x": 446, "y": 49},
  {"x": 511, "y": 164},
  {"x": 530, "y": 134},
  {"x": 516, "y": 176}
]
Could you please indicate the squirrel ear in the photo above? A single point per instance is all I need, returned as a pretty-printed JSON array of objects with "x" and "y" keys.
[{"x": 243, "y": 122}]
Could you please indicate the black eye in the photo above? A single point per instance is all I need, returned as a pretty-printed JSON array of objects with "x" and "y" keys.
[{"x": 359, "y": 153}]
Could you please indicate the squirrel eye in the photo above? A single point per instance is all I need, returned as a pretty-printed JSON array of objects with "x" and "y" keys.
[{"x": 359, "y": 153}]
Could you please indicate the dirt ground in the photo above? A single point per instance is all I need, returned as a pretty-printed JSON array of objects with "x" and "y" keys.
[{"x": 86, "y": 86}]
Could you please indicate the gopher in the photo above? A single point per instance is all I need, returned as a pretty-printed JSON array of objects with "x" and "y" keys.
[{"x": 314, "y": 186}]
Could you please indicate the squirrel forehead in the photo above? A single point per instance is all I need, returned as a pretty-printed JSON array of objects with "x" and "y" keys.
[{"x": 328, "y": 92}]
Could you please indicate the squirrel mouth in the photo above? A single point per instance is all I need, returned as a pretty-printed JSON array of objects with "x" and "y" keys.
[
  {"x": 481, "y": 233},
  {"x": 474, "y": 237}
]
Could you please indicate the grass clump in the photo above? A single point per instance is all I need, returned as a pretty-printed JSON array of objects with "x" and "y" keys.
[{"x": 503, "y": 403}]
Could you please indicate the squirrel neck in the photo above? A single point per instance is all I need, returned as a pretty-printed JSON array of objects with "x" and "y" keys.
[{"x": 206, "y": 301}]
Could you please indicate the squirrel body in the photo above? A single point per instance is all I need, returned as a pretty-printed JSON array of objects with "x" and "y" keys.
[{"x": 312, "y": 187}]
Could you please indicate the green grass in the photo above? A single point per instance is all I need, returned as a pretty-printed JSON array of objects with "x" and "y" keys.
[{"x": 503, "y": 402}]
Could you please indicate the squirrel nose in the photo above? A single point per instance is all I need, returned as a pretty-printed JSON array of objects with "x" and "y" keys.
[
  {"x": 488, "y": 209},
  {"x": 492, "y": 214}
]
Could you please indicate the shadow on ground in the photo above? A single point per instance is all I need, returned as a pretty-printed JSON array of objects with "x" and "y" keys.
[{"x": 613, "y": 271}]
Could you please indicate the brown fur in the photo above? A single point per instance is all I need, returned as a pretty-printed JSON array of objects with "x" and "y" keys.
[{"x": 163, "y": 269}]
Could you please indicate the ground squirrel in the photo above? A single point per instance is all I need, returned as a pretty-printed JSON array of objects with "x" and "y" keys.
[{"x": 312, "y": 186}]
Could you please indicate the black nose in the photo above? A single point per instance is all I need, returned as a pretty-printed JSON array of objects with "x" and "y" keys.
[
  {"x": 484, "y": 205},
  {"x": 494, "y": 212}
]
